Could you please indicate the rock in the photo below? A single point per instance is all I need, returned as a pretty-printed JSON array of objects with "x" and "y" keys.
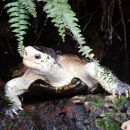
[
  {"x": 127, "y": 105},
  {"x": 87, "y": 106},
  {"x": 126, "y": 125},
  {"x": 88, "y": 121},
  {"x": 128, "y": 112},
  {"x": 120, "y": 117},
  {"x": 47, "y": 112}
]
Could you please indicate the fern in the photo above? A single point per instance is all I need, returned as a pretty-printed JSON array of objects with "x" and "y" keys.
[
  {"x": 64, "y": 18},
  {"x": 30, "y": 6},
  {"x": 18, "y": 20},
  {"x": 54, "y": 10}
]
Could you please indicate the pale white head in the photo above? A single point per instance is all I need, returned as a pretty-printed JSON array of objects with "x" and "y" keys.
[{"x": 39, "y": 59}]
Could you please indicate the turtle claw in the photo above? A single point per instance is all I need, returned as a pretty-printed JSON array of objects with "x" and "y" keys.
[
  {"x": 123, "y": 88},
  {"x": 119, "y": 94},
  {"x": 20, "y": 108},
  {"x": 113, "y": 94},
  {"x": 127, "y": 93},
  {"x": 15, "y": 112},
  {"x": 11, "y": 112}
]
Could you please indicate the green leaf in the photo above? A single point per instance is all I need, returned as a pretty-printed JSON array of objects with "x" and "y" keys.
[
  {"x": 13, "y": 9},
  {"x": 30, "y": 6},
  {"x": 18, "y": 21},
  {"x": 63, "y": 17}
]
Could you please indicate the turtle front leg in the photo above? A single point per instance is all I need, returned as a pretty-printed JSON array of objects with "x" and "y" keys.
[
  {"x": 107, "y": 79},
  {"x": 16, "y": 87},
  {"x": 13, "y": 88}
]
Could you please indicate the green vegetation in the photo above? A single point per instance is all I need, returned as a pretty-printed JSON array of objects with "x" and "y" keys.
[
  {"x": 107, "y": 124},
  {"x": 97, "y": 103},
  {"x": 58, "y": 10},
  {"x": 18, "y": 21},
  {"x": 110, "y": 116},
  {"x": 119, "y": 101}
]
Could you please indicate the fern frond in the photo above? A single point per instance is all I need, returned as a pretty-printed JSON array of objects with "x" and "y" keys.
[
  {"x": 30, "y": 5},
  {"x": 18, "y": 21},
  {"x": 54, "y": 11},
  {"x": 64, "y": 18}
]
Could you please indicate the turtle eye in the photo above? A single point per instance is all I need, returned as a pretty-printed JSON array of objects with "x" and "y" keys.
[
  {"x": 48, "y": 57},
  {"x": 37, "y": 56}
]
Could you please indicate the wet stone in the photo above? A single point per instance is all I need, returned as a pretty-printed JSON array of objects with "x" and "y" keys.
[
  {"x": 127, "y": 105},
  {"x": 87, "y": 106},
  {"x": 128, "y": 112}
]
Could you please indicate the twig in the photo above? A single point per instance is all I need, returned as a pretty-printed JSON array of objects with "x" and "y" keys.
[
  {"x": 92, "y": 14},
  {"x": 123, "y": 24},
  {"x": 41, "y": 31},
  {"x": 106, "y": 21}
]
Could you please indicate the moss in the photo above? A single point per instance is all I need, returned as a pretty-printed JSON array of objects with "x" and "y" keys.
[
  {"x": 97, "y": 103},
  {"x": 120, "y": 101},
  {"x": 107, "y": 123}
]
